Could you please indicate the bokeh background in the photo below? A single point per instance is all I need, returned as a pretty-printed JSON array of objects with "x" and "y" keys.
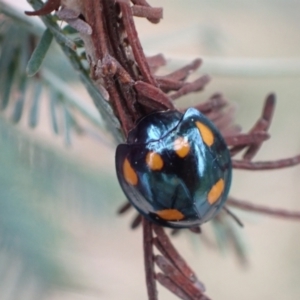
[{"x": 60, "y": 236}]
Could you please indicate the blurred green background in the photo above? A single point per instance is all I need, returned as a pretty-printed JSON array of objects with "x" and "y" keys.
[{"x": 60, "y": 238}]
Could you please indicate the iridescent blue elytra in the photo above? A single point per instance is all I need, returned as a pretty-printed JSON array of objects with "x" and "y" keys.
[{"x": 175, "y": 168}]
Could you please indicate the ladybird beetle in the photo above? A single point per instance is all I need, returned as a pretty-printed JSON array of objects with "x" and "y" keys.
[{"x": 175, "y": 168}]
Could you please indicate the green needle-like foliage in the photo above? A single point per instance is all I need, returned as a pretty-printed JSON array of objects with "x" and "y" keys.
[
  {"x": 27, "y": 236},
  {"x": 38, "y": 186},
  {"x": 39, "y": 53}
]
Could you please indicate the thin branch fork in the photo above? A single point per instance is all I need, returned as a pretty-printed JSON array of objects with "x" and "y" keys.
[
  {"x": 260, "y": 128},
  {"x": 262, "y": 124}
]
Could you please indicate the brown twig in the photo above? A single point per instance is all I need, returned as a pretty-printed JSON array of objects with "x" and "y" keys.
[
  {"x": 145, "y": 4},
  {"x": 153, "y": 14},
  {"x": 247, "y": 139},
  {"x": 215, "y": 102},
  {"x": 149, "y": 260},
  {"x": 266, "y": 165},
  {"x": 155, "y": 62},
  {"x": 135, "y": 44},
  {"x": 182, "y": 73},
  {"x": 155, "y": 95},
  {"x": 262, "y": 124},
  {"x": 276, "y": 212},
  {"x": 190, "y": 87},
  {"x": 173, "y": 255},
  {"x": 48, "y": 8},
  {"x": 176, "y": 277},
  {"x": 172, "y": 287},
  {"x": 168, "y": 85}
]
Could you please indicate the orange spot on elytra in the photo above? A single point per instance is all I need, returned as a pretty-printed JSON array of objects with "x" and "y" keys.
[
  {"x": 170, "y": 214},
  {"x": 181, "y": 147},
  {"x": 206, "y": 133},
  {"x": 129, "y": 173},
  {"x": 154, "y": 161},
  {"x": 216, "y": 191}
]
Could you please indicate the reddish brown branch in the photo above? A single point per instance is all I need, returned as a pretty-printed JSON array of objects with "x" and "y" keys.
[
  {"x": 176, "y": 277},
  {"x": 141, "y": 2},
  {"x": 135, "y": 44},
  {"x": 262, "y": 124},
  {"x": 231, "y": 130},
  {"x": 154, "y": 94},
  {"x": 48, "y": 8},
  {"x": 215, "y": 102},
  {"x": 153, "y": 14},
  {"x": 156, "y": 61},
  {"x": 280, "y": 213},
  {"x": 172, "y": 287},
  {"x": 225, "y": 119},
  {"x": 94, "y": 18},
  {"x": 119, "y": 105},
  {"x": 173, "y": 255},
  {"x": 109, "y": 67},
  {"x": 246, "y": 139},
  {"x": 145, "y": 4},
  {"x": 190, "y": 87},
  {"x": 160, "y": 247},
  {"x": 184, "y": 72},
  {"x": 149, "y": 260},
  {"x": 167, "y": 85},
  {"x": 93, "y": 11},
  {"x": 266, "y": 165}
]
